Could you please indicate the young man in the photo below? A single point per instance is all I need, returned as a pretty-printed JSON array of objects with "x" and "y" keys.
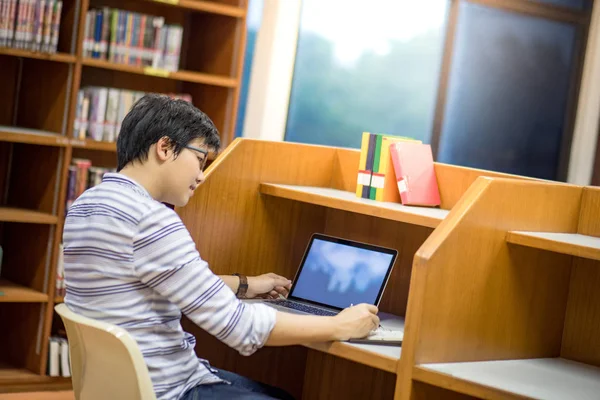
[{"x": 130, "y": 261}]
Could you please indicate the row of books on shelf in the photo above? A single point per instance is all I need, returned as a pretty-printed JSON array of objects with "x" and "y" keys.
[
  {"x": 100, "y": 111},
  {"x": 130, "y": 38},
  {"x": 58, "y": 357},
  {"x": 397, "y": 169},
  {"x": 82, "y": 176},
  {"x": 30, "y": 24}
]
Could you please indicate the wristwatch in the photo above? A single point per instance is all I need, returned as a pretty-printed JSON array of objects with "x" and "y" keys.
[{"x": 243, "y": 287}]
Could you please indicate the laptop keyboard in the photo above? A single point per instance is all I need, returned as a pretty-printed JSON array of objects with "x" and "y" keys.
[{"x": 303, "y": 307}]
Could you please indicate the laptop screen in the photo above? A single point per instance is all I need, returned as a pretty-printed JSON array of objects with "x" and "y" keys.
[{"x": 338, "y": 272}]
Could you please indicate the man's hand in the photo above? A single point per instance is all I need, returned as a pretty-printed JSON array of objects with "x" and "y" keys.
[
  {"x": 356, "y": 322},
  {"x": 268, "y": 286}
]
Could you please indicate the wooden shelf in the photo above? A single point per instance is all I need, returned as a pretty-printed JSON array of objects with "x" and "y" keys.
[
  {"x": 31, "y": 136},
  {"x": 21, "y": 379},
  {"x": 347, "y": 201},
  {"x": 566, "y": 243},
  {"x": 10, "y": 214},
  {"x": 205, "y": 6},
  {"x": 13, "y": 293},
  {"x": 94, "y": 145},
  {"x": 542, "y": 378},
  {"x": 183, "y": 76},
  {"x": 381, "y": 357},
  {"x": 57, "y": 57}
]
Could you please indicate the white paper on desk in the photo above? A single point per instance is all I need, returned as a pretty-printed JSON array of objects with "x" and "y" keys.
[{"x": 391, "y": 322}]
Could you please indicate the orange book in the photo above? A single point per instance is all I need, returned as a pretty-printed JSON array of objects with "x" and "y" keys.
[{"x": 415, "y": 174}]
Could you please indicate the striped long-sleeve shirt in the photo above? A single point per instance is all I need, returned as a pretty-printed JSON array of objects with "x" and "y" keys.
[{"x": 130, "y": 261}]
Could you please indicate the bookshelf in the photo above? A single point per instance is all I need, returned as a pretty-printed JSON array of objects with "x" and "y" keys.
[{"x": 37, "y": 145}]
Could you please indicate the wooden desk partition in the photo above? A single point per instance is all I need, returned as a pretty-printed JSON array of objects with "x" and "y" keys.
[
  {"x": 262, "y": 201},
  {"x": 504, "y": 300}
]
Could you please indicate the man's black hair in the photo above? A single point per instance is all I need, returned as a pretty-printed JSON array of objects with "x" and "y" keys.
[{"x": 155, "y": 116}]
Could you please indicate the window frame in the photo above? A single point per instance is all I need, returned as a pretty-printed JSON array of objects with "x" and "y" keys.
[{"x": 275, "y": 55}]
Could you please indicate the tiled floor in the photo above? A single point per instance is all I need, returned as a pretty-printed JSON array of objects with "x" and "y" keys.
[{"x": 67, "y": 395}]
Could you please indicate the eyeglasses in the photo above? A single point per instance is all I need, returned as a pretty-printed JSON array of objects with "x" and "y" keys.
[{"x": 199, "y": 150}]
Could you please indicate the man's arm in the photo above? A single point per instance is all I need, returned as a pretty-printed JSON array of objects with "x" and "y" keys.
[{"x": 353, "y": 322}]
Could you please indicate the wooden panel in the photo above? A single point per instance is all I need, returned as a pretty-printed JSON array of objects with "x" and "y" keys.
[
  {"x": 467, "y": 314},
  {"x": 566, "y": 243},
  {"x": 581, "y": 339},
  {"x": 328, "y": 377},
  {"x": 405, "y": 238},
  {"x": 43, "y": 95},
  {"x": 382, "y": 357},
  {"x": 213, "y": 44},
  {"x": 211, "y": 7},
  {"x": 589, "y": 218},
  {"x": 9, "y": 214},
  {"x": 12, "y": 293},
  {"x": 236, "y": 228},
  {"x": 279, "y": 367},
  {"x": 9, "y": 69},
  {"x": 56, "y": 57},
  {"x": 26, "y": 248},
  {"x": 18, "y": 344},
  {"x": 423, "y": 391},
  {"x": 157, "y": 75},
  {"x": 31, "y": 136},
  {"x": 429, "y": 384},
  {"x": 475, "y": 297},
  {"x": 238, "y": 3},
  {"x": 122, "y": 80},
  {"x": 94, "y": 145},
  {"x": 39, "y": 164},
  {"x": 540, "y": 378},
  {"x": 347, "y": 201}
]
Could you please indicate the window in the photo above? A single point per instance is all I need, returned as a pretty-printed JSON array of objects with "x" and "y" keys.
[
  {"x": 253, "y": 21},
  {"x": 507, "y": 98},
  {"x": 369, "y": 65}
]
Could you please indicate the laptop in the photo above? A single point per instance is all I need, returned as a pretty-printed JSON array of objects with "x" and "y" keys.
[{"x": 337, "y": 273}]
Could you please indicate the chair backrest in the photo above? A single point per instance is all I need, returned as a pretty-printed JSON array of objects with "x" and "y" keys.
[{"x": 106, "y": 362}]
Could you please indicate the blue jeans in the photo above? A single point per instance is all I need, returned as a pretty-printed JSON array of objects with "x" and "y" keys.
[{"x": 240, "y": 388}]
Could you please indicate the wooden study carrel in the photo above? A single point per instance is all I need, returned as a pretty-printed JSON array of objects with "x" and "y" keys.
[{"x": 467, "y": 280}]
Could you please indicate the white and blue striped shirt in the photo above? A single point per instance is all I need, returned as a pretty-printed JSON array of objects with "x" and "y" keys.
[{"x": 130, "y": 261}]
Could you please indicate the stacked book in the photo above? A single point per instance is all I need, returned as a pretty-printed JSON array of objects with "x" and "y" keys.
[
  {"x": 130, "y": 38},
  {"x": 100, "y": 111},
  {"x": 396, "y": 169},
  {"x": 58, "y": 357},
  {"x": 30, "y": 24},
  {"x": 83, "y": 176}
]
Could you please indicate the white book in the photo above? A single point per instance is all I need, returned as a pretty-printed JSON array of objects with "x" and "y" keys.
[
  {"x": 65, "y": 367},
  {"x": 53, "y": 357}
]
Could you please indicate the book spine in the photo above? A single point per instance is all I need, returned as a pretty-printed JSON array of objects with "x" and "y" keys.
[
  {"x": 376, "y": 179},
  {"x": 369, "y": 165},
  {"x": 56, "y": 25},
  {"x": 364, "y": 177}
]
